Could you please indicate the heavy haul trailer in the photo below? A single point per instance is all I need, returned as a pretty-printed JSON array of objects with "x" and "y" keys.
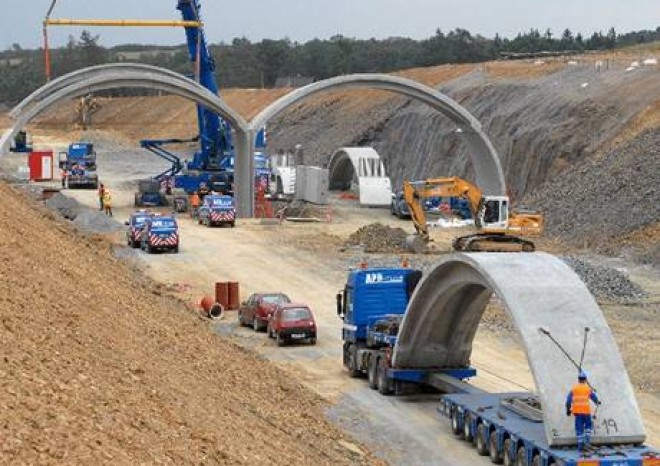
[{"x": 507, "y": 426}]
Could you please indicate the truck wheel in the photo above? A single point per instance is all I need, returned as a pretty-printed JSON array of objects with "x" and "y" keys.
[
  {"x": 280, "y": 340},
  {"x": 482, "y": 443},
  {"x": 372, "y": 369},
  {"x": 312, "y": 341},
  {"x": 384, "y": 383},
  {"x": 467, "y": 429},
  {"x": 353, "y": 370},
  {"x": 506, "y": 454},
  {"x": 455, "y": 426},
  {"x": 521, "y": 457},
  {"x": 176, "y": 249},
  {"x": 495, "y": 454}
]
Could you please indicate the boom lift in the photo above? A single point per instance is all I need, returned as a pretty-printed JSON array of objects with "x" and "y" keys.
[{"x": 498, "y": 229}]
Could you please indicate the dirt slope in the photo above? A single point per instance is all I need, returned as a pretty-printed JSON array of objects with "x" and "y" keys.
[{"x": 99, "y": 367}]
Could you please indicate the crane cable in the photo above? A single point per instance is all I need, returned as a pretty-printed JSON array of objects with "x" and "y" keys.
[{"x": 45, "y": 32}]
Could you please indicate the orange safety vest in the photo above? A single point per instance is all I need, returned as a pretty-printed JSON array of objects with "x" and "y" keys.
[{"x": 581, "y": 399}]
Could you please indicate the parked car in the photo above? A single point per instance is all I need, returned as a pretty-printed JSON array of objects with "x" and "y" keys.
[
  {"x": 217, "y": 210},
  {"x": 399, "y": 207},
  {"x": 292, "y": 322},
  {"x": 256, "y": 311},
  {"x": 160, "y": 233},
  {"x": 135, "y": 224}
]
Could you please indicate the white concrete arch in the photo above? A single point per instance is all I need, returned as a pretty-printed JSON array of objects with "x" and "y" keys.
[
  {"x": 539, "y": 291},
  {"x": 364, "y": 166},
  {"x": 484, "y": 158},
  {"x": 85, "y": 73}
]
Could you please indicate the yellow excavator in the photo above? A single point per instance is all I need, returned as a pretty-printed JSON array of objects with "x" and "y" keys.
[{"x": 498, "y": 230}]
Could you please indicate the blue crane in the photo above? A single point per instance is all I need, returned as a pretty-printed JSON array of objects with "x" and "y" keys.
[{"x": 213, "y": 163}]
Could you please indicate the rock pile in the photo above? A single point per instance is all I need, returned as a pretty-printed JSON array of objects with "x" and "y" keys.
[
  {"x": 606, "y": 198},
  {"x": 92, "y": 221},
  {"x": 605, "y": 282},
  {"x": 65, "y": 206},
  {"x": 379, "y": 238}
]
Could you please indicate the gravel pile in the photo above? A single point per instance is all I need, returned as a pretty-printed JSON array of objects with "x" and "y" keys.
[
  {"x": 65, "y": 206},
  {"x": 92, "y": 221},
  {"x": 607, "y": 197},
  {"x": 605, "y": 282},
  {"x": 378, "y": 238}
]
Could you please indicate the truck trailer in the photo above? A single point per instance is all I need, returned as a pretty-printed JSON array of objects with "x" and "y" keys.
[{"x": 508, "y": 427}]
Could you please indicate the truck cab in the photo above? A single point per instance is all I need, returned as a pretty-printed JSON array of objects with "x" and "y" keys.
[
  {"x": 217, "y": 210},
  {"x": 80, "y": 164}
]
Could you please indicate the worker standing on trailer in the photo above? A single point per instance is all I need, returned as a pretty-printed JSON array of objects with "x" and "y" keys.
[
  {"x": 107, "y": 202},
  {"x": 578, "y": 403}
]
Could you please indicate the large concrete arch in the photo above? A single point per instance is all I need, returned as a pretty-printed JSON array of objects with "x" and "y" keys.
[
  {"x": 538, "y": 291},
  {"x": 489, "y": 174},
  {"x": 111, "y": 77},
  {"x": 86, "y": 73}
]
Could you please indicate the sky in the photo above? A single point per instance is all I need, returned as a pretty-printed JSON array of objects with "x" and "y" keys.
[{"x": 302, "y": 20}]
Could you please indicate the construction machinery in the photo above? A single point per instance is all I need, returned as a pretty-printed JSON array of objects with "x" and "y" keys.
[
  {"x": 21, "y": 143},
  {"x": 498, "y": 229},
  {"x": 214, "y": 161},
  {"x": 79, "y": 161}
]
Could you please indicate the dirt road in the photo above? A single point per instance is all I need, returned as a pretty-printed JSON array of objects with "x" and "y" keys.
[{"x": 302, "y": 261}]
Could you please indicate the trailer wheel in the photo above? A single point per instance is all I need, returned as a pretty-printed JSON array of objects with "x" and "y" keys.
[
  {"x": 509, "y": 460},
  {"x": 455, "y": 426},
  {"x": 481, "y": 443},
  {"x": 521, "y": 457},
  {"x": 353, "y": 370},
  {"x": 384, "y": 384},
  {"x": 372, "y": 370},
  {"x": 494, "y": 453},
  {"x": 467, "y": 431}
]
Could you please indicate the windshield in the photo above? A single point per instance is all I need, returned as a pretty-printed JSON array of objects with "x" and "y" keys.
[
  {"x": 275, "y": 299},
  {"x": 140, "y": 220},
  {"x": 221, "y": 201},
  {"x": 296, "y": 313},
  {"x": 163, "y": 223}
]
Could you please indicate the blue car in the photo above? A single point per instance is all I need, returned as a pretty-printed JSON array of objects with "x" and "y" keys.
[{"x": 217, "y": 210}]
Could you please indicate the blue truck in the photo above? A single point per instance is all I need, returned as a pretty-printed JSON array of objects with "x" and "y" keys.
[
  {"x": 160, "y": 233},
  {"x": 217, "y": 210},
  {"x": 79, "y": 161},
  {"x": 508, "y": 427}
]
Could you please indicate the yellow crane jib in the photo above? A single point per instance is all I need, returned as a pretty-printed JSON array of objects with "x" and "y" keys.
[{"x": 122, "y": 22}]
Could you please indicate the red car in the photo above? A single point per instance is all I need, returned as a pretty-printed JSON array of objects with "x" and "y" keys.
[
  {"x": 256, "y": 311},
  {"x": 292, "y": 322}
]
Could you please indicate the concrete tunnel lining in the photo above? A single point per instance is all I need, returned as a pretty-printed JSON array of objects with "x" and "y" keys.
[
  {"x": 482, "y": 154},
  {"x": 538, "y": 291}
]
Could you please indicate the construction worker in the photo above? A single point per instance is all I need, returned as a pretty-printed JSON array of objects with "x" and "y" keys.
[
  {"x": 578, "y": 403},
  {"x": 101, "y": 192},
  {"x": 194, "y": 204},
  {"x": 63, "y": 175},
  {"x": 107, "y": 202}
]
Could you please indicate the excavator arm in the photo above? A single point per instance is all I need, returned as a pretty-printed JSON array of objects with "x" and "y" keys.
[{"x": 416, "y": 191}]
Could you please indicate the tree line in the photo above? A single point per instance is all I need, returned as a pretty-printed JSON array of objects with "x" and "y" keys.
[{"x": 243, "y": 63}]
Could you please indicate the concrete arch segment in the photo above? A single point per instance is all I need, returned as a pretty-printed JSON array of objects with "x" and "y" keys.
[
  {"x": 484, "y": 158},
  {"x": 363, "y": 165},
  {"x": 538, "y": 291},
  {"x": 86, "y": 73}
]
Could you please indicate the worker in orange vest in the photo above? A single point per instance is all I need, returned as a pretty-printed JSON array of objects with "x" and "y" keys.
[
  {"x": 578, "y": 403},
  {"x": 194, "y": 204}
]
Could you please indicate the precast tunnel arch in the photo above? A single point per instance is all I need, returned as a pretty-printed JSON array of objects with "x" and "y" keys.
[
  {"x": 539, "y": 291},
  {"x": 489, "y": 174}
]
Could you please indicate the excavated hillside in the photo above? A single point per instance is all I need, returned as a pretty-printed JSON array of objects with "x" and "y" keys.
[{"x": 99, "y": 366}]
